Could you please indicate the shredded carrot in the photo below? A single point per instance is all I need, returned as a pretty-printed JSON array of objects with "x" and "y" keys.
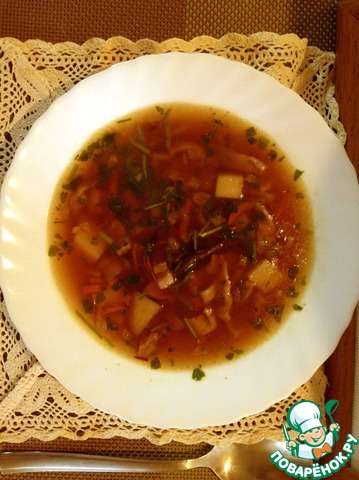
[
  {"x": 113, "y": 309},
  {"x": 97, "y": 287},
  {"x": 153, "y": 290},
  {"x": 240, "y": 210},
  {"x": 93, "y": 288}
]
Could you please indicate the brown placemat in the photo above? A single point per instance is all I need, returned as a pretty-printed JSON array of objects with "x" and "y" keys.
[
  {"x": 33, "y": 405},
  {"x": 66, "y": 20}
]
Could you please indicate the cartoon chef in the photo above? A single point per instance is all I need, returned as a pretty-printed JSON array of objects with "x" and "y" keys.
[{"x": 314, "y": 439}]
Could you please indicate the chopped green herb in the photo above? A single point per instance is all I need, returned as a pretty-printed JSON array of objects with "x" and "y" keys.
[
  {"x": 238, "y": 351},
  {"x": 257, "y": 323},
  {"x": 155, "y": 363},
  {"x": 108, "y": 140},
  {"x": 155, "y": 205},
  {"x": 292, "y": 292},
  {"x": 160, "y": 110},
  {"x": 276, "y": 311},
  {"x": 203, "y": 233},
  {"x": 272, "y": 155},
  {"x": 131, "y": 280},
  {"x": 109, "y": 325},
  {"x": 233, "y": 353},
  {"x": 298, "y": 173},
  {"x": 100, "y": 298},
  {"x": 115, "y": 205},
  {"x": 87, "y": 305},
  {"x": 63, "y": 196},
  {"x": 297, "y": 307},
  {"x": 139, "y": 131},
  {"x": 53, "y": 251},
  {"x": 293, "y": 272},
  {"x": 251, "y": 132},
  {"x": 208, "y": 136},
  {"x": 198, "y": 374},
  {"x": 72, "y": 184}
]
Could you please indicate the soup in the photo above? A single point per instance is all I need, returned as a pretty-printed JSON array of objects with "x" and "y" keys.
[{"x": 182, "y": 235}]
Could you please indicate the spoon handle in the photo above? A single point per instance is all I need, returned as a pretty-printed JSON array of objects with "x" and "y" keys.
[{"x": 21, "y": 462}]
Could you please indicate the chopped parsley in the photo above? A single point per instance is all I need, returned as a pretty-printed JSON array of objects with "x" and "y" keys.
[
  {"x": 155, "y": 363},
  {"x": 297, "y": 307},
  {"x": 198, "y": 374},
  {"x": 297, "y": 174}
]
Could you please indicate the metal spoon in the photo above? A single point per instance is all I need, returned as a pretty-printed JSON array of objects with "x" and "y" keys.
[{"x": 228, "y": 462}]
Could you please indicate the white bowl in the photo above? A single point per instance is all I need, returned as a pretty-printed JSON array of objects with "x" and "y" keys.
[{"x": 91, "y": 370}]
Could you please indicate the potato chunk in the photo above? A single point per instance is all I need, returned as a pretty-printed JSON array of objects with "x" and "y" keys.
[
  {"x": 204, "y": 323},
  {"x": 265, "y": 276},
  {"x": 142, "y": 312},
  {"x": 92, "y": 246},
  {"x": 163, "y": 275},
  {"x": 229, "y": 185}
]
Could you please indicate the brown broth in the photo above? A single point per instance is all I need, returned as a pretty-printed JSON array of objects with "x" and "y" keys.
[{"x": 182, "y": 234}]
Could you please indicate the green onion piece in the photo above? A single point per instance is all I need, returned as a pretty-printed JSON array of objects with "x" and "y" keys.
[
  {"x": 203, "y": 234},
  {"x": 105, "y": 237},
  {"x": 139, "y": 131},
  {"x": 144, "y": 165},
  {"x": 189, "y": 326},
  {"x": 155, "y": 205},
  {"x": 157, "y": 328},
  {"x": 141, "y": 147}
]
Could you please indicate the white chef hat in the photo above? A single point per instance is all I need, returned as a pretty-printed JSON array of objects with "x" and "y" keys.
[{"x": 304, "y": 415}]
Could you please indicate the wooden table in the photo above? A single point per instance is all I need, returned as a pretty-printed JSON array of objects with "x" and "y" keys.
[{"x": 340, "y": 366}]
